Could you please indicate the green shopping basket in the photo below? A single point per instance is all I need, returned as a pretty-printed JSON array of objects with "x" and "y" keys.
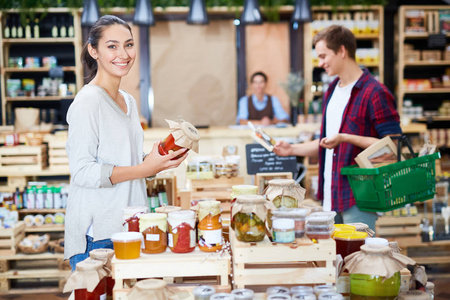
[{"x": 392, "y": 186}]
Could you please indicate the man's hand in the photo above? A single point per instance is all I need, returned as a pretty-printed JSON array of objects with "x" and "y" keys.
[
  {"x": 332, "y": 142},
  {"x": 282, "y": 148}
]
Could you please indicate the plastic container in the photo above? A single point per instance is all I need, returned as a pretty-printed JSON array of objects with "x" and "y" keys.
[
  {"x": 376, "y": 241},
  {"x": 203, "y": 292},
  {"x": 319, "y": 289},
  {"x": 127, "y": 245},
  {"x": 330, "y": 296},
  {"x": 209, "y": 226},
  {"x": 154, "y": 230},
  {"x": 349, "y": 242},
  {"x": 279, "y": 297},
  {"x": 304, "y": 296},
  {"x": 243, "y": 294},
  {"x": 321, "y": 218},
  {"x": 320, "y": 228},
  {"x": 302, "y": 289},
  {"x": 181, "y": 236},
  {"x": 320, "y": 235},
  {"x": 222, "y": 296},
  {"x": 277, "y": 290},
  {"x": 296, "y": 214},
  {"x": 343, "y": 227},
  {"x": 283, "y": 230}
]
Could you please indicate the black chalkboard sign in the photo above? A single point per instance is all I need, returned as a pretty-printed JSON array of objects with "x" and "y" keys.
[{"x": 259, "y": 160}]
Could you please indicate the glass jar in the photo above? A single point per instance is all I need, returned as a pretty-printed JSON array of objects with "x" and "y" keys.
[
  {"x": 181, "y": 231},
  {"x": 238, "y": 190},
  {"x": 222, "y": 296},
  {"x": 277, "y": 290},
  {"x": 363, "y": 228},
  {"x": 343, "y": 227},
  {"x": 203, "y": 292},
  {"x": 374, "y": 287},
  {"x": 127, "y": 245},
  {"x": 304, "y": 296},
  {"x": 330, "y": 296},
  {"x": 85, "y": 270},
  {"x": 166, "y": 209},
  {"x": 183, "y": 135},
  {"x": 154, "y": 289},
  {"x": 209, "y": 226},
  {"x": 349, "y": 242},
  {"x": 319, "y": 289},
  {"x": 154, "y": 229},
  {"x": 243, "y": 294},
  {"x": 249, "y": 218},
  {"x": 296, "y": 214},
  {"x": 279, "y": 297},
  {"x": 105, "y": 256},
  {"x": 130, "y": 217},
  {"x": 283, "y": 230},
  {"x": 302, "y": 289}
]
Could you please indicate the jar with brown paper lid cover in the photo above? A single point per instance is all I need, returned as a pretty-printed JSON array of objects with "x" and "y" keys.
[
  {"x": 105, "y": 256},
  {"x": 182, "y": 135},
  {"x": 154, "y": 289},
  {"x": 209, "y": 226},
  {"x": 88, "y": 281}
]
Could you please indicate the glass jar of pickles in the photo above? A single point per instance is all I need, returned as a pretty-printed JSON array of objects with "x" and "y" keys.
[
  {"x": 182, "y": 135},
  {"x": 154, "y": 229},
  {"x": 249, "y": 216},
  {"x": 209, "y": 226},
  {"x": 237, "y": 190},
  {"x": 181, "y": 231}
]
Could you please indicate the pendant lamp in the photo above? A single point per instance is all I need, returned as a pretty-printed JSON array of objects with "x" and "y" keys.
[
  {"x": 197, "y": 13},
  {"x": 143, "y": 15},
  {"x": 302, "y": 12},
  {"x": 251, "y": 13},
  {"x": 91, "y": 13}
]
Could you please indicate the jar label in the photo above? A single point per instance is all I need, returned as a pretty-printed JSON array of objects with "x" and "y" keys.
[
  {"x": 170, "y": 238},
  {"x": 103, "y": 297},
  {"x": 152, "y": 237},
  {"x": 210, "y": 237},
  {"x": 284, "y": 236},
  {"x": 193, "y": 239}
]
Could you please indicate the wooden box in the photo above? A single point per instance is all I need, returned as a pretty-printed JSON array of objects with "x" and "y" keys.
[
  {"x": 57, "y": 156},
  {"x": 403, "y": 230},
  {"x": 170, "y": 266},
  {"x": 446, "y": 55},
  {"x": 262, "y": 179},
  {"x": 412, "y": 55},
  {"x": 23, "y": 158},
  {"x": 10, "y": 238},
  {"x": 431, "y": 55},
  {"x": 263, "y": 264},
  {"x": 169, "y": 181}
]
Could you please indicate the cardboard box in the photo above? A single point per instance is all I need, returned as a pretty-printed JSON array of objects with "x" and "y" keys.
[
  {"x": 382, "y": 153},
  {"x": 431, "y": 55},
  {"x": 412, "y": 55}
]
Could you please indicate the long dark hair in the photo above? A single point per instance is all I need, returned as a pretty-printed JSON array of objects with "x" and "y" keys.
[{"x": 95, "y": 34}]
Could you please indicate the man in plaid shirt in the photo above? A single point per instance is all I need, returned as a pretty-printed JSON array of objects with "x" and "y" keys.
[{"x": 357, "y": 110}]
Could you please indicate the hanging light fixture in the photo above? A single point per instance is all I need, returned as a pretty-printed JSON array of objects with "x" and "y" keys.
[
  {"x": 143, "y": 15},
  {"x": 302, "y": 12},
  {"x": 91, "y": 13},
  {"x": 197, "y": 12},
  {"x": 251, "y": 13}
]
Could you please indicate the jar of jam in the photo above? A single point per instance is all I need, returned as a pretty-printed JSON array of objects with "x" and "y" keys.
[
  {"x": 105, "y": 256},
  {"x": 88, "y": 281},
  {"x": 130, "y": 217},
  {"x": 237, "y": 190},
  {"x": 348, "y": 242},
  {"x": 154, "y": 289},
  {"x": 181, "y": 231},
  {"x": 249, "y": 217},
  {"x": 209, "y": 226},
  {"x": 182, "y": 135},
  {"x": 154, "y": 229}
]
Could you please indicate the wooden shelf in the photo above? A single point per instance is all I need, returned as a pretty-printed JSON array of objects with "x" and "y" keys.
[
  {"x": 427, "y": 63},
  {"x": 48, "y": 40},
  {"x": 45, "y": 172},
  {"x": 437, "y": 118},
  {"x": 36, "y": 70},
  {"x": 46, "y": 228},
  {"x": 39, "y": 256},
  {"x": 46, "y": 98},
  {"x": 42, "y": 211},
  {"x": 430, "y": 91},
  {"x": 41, "y": 273},
  {"x": 368, "y": 36},
  {"x": 419, "y": 35}
]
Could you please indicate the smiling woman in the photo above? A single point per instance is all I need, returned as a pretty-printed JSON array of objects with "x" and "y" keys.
[{"x": 105, "y": 144}]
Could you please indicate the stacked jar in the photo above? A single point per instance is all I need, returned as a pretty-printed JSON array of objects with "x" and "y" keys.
[
  {"x": 181, "y": 231},
  {"x": 154, "y": 230},
  {"x": 209, "y": 226}
]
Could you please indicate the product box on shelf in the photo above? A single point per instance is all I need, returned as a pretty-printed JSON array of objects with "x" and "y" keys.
[
  {"x": 412, "y": 55},
  {"x": 431, "y": 55}
]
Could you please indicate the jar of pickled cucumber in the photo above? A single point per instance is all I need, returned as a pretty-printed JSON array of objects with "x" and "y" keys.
[
  {"x": 237, "y": 190},
  {"x": 249, "y": 216}
]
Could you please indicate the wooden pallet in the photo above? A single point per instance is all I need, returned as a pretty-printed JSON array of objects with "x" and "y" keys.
[
  {"x": 57, "y": 156},
  {"x": 263, "y": 264},
  {"x": 404, "y": 230},
  {"x": 10, "y": 238},
  {"x": 10, "y": 262},
  {"x": 184, "y": 269},
  {"x": 23, "y": 158}
]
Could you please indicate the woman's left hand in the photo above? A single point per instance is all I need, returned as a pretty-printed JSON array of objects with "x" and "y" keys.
[{"x": 332, "y": 142}]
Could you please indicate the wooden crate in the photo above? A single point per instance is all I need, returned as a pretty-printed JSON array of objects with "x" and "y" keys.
[
  {"x": 10, "y": 238},
  {"x": 57, "y": 156},
  {"x": 431, "y": 55},
  {"x": 173, "y": 268},
  {"x": 403, "y": 230},
  {"x": 170, "y": 186},
  {"x": 23, "y": 158},
  {"x": 263, "y": 264},
  {"x": 262, "y": 179}
]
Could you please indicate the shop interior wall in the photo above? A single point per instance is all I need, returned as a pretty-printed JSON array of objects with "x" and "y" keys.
[{"x": 267, "y": 50}]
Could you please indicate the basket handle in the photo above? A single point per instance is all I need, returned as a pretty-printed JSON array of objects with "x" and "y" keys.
[{"x": 403, "y": 139}]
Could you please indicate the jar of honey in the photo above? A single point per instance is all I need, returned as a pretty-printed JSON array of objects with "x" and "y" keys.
[
  {"x": 105, "y": 256},
  {"x": 88, "y": 281},
  {"x": 154, "y": 229},
  {"x": 209, "y": 226},
  {"x": 127, "y": 245},
  {"x": 348, "y": 242},
  {"x": 181, "y": 231},
  {"x": 130, "y": 217},
  {"x": 182, "y": 135},
  {"x": 238, "y": 190}
]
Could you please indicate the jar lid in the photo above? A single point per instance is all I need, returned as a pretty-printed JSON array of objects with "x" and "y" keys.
[
  {"x": 295, "y": 212},
  {"x": 242, "y": 294},
  {"x": 89, "y": 265},
  {"x": 359, "y": 226},
  {"x": 344, "y": 227},
  {"x": 222, "y": 296},
  {"x": 283, "y": 224},
  {"x": 181, "y": 215},
  {"x": 330, "y": 296},
  {"x": 304, "y": 296},
  {"x": 131, "y": 210},
  {"x": 375, "y": 249},
  {"x": 277, "y": 290},
  {"x": 350, "y": 235},
  {"x": 281, "y": 182},
  {"x": 302, "y": 289},
  {"x": 212, "y": 204},
  {"x": 318, "y": 289},
  {"x": 166, "y": 209},
  {"x": 101, "y": 253},
  {"x": 153, "y": 217},
  {"x": 126, "y": 237},
  {"x": 279, "y": 296},
  {"x": 151, "y": 284},
  {"x": 413, "y": 295},
  {"x": 204, "y": 290},
  {"x": 244, "y": 188},
  {"x": 253, "y": 199},
  {"x": 377, "y": 241}
]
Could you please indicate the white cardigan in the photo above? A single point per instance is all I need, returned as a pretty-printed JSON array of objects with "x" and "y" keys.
[{"x": 101, "y": 136}]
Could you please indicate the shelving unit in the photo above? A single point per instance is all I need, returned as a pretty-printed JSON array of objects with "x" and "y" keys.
[
  {"x": 68, "y": 58},
  {"x": 364, "y": 40}
]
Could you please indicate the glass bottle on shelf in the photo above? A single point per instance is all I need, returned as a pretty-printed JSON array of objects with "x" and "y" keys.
[
  {"x": 162, "y": 194},
  {"x": 54, "y": 28},
  {"x": 36, "y": 28},
  {"x": 63, "y": 28},
  {"x": 70, "y": 29},
  {"x": 7, "y": 30},
  {"x": 19, "y": 29},
  {"x": 28, "y": 30},
  {"x": 154, "y": 199},
  {"x": 13, "y": 27}
]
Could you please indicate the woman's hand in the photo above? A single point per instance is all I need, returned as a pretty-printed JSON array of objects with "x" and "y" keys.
[
  {"x": 332, "y": 142},
  {"x": 282, "y": 148},
  {"x": 155, "y": 162}
]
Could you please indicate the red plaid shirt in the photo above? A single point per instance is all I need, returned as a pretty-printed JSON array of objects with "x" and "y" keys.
[{"x": 370, "y": 112}]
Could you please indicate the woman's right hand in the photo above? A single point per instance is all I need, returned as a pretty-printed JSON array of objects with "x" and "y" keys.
[{"x": 154, "y": 162}]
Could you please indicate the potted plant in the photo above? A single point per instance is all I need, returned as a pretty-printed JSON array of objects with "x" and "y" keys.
[{"x": 293, "y": 88}]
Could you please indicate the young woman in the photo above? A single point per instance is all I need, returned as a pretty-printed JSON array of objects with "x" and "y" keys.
[{"x": 105, "y": 143}]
